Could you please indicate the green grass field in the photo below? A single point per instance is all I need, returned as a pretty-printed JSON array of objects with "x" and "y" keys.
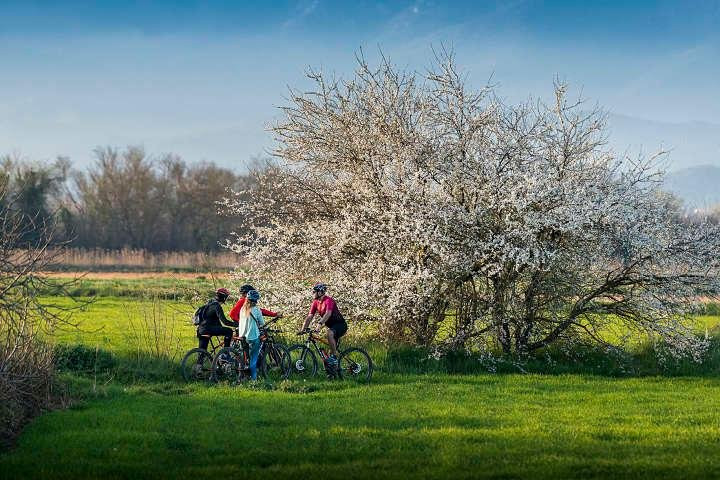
[
  {"x": 126, "y": 423},
  {"x": 436, "y": 426}
]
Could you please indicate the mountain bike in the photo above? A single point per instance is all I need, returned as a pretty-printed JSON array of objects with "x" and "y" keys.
[
  {"x": 196, "y": 365},
  {"x": 353, "y": 363},
  {"x": 233, "y": 363}
]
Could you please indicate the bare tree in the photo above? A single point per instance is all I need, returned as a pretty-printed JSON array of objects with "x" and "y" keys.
[
  {"x": 26, "y": 360},
  {"x": 129, "y": 199},
  {"x": 121, "y": 198}
]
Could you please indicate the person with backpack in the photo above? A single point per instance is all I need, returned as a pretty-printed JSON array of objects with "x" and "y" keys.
[
  {"x": 326, "y": 308},
  {"x": 211, "y": 320},
  {"x": 249, "y": 325}
]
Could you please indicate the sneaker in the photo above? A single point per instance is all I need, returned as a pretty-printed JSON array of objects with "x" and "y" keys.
[{"x": 332, "y": 360}]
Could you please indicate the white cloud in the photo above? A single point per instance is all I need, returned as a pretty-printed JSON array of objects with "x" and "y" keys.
[{"x": 302, "y": 10}]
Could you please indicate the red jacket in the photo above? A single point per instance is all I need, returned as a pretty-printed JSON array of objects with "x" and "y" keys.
[{"x": 235, "y": 311}]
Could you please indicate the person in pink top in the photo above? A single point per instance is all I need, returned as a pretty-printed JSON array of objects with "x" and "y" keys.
[{"x": 330, "y": 316}]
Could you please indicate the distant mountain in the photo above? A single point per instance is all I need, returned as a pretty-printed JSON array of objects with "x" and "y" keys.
[
  {"x": 698, "y": 186},
  {"x": 691, "y": 144}
]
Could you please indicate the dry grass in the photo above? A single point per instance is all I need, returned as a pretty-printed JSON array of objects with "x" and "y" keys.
[
  {"x": 110, "y": 275},
  {"x": 142, "y": 260},
  {"x": 154, "y": 331}
]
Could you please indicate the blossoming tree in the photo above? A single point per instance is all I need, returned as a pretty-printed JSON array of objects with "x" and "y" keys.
[{"x": 446, "y": 217}]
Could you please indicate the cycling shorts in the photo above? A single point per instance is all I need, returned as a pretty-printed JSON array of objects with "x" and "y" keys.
[{"x": 339, "y": 329}]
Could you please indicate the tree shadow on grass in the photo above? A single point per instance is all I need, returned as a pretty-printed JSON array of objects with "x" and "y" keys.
[
  {"x": 580, "y": 360},
  {"x": 396, "y": 370},
  {"x": 503, "y": 426}
]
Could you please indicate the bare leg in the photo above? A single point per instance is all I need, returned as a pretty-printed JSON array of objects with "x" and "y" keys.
[{"x": 332, "y": 342}]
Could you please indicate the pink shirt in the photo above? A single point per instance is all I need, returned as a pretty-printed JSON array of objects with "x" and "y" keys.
[{"x": 324, "y": 305}]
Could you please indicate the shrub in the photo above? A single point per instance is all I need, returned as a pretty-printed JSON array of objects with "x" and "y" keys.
[
  {"x": 84, "y": 359},
  {"x": 27, "y": 380}
]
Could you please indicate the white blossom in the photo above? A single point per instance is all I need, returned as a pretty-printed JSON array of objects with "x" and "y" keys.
[{"x": 443, "y": 216}]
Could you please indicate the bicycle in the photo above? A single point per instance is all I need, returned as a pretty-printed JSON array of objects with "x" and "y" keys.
[
  {"x": 233, "y": 363},
  {"x": 196, "y": 365},
  {"x": 353, "y": 363}
]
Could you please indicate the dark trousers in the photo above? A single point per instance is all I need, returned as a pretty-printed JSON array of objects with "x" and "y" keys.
[{"x": 218, "y": 331}]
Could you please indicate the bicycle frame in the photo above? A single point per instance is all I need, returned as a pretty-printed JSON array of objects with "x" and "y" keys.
[
  {"x": 213, "y": 344},
  {"x": 268, "y": 342},
  {"x": 314, "y": 339}
]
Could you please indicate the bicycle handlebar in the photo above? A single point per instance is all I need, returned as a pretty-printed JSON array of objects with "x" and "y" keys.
[{"x": 307, "y": 331}]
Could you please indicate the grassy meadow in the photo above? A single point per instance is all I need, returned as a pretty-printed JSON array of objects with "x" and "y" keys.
[{"x": 132, "y": 416}]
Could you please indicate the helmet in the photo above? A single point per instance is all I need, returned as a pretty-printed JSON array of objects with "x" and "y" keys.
[
  {"x": 253, "y": 295},
  {"x": 222, "y": 294},
  {"x": 246, "y": 288},
  {"x": 319, "y": 288}
]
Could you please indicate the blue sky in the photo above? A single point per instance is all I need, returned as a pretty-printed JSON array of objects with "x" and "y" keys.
[{"x": 203, "y": 79}]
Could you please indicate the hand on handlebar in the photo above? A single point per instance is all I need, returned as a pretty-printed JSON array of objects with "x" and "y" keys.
[
  {"x": 306, "y": 331},
  {"x": 272, "y": 320}
]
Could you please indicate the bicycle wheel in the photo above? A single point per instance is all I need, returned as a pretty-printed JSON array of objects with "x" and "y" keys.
[
  {"x": 196, "y": 366},
  {"x": 302, "y": 361},
  {"x": 226, "y": 366},
  {"x": 275, "y": 363},
  {"x": 355, "y": 364}
]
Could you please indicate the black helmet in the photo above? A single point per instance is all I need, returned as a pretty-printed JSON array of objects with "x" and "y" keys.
[
  {"x": 246, "y": 288},
  {"x": 253, "y": 295},
  {"x": 319, "y": 288}
]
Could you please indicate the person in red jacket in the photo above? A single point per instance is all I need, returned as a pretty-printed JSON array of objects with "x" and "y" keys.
[{"x": 235, "y": 311}]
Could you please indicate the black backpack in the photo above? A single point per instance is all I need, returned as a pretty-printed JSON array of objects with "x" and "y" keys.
[{"x": 199, "y": 316}]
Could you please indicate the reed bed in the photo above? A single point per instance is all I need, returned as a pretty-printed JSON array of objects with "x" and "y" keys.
[{"x": 126, "y": 259}]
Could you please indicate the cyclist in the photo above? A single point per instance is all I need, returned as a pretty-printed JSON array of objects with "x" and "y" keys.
[
  {"x": 330, "y": 316},
  {"x": 213, "y": 320},
  {"x": 250, "y": 321},
  {"x": 235, "y": 310}
]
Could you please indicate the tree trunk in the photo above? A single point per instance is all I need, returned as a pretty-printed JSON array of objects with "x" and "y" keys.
[
  {"x": 525, "y": 330},
  {"x": 499, "y": 317}
]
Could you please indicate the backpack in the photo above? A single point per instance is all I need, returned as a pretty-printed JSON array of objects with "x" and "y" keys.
[{"x": 199, "y": 316}]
